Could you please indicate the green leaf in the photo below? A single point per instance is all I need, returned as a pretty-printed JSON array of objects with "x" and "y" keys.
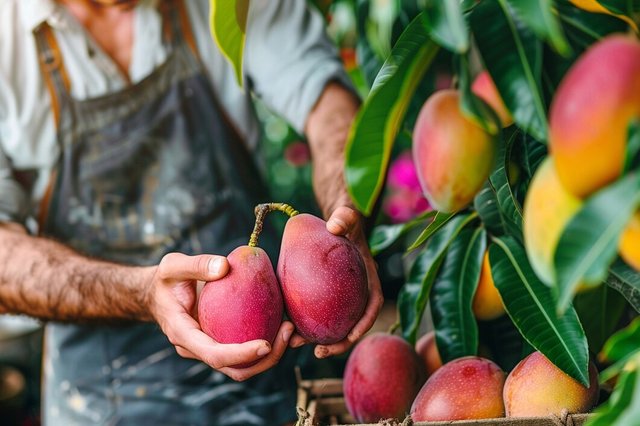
[
  {"x": 632, "y": 154},
  {"x": 470, "y": 104},
  {"x": 438, "y": 222},
  {"x": 414, "y": 295},
  {"x": 496, "y": 202},
  {"x": 486, "y": 204},
  {"x": 584, "y": 28},
  {"x": 228, "y": 24},
  {"x": 452, "y": 295},
  {"x": 383, "y": 236},
  {"x": 513, "y": 56},
  {"x": 530, "y": 304},
  {"x": 539, "y": 16},
  {"x": 378, "y": 121},
  {"x": 589, "y": 243},
  {"x": 510, "y": 208},
  {"x": 621, "y": 7},
  {"x": 599, "y": 310},
  {"x": 623, "y": 407},
  {"x": 447, "y": 25},
  {"x": 622, "y": 344},
  {"x": 626, "y": 281}
]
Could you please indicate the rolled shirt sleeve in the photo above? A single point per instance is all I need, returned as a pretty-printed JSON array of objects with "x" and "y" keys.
[{"x": 289, "y": 58}]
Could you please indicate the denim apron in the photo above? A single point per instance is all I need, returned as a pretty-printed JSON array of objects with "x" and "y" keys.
[{"x": 149, "y": 170}]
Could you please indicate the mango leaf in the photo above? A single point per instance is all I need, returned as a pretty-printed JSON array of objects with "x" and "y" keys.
[
  {"x": 621, "y": 7},
  {"x": 383, "y": 236},
  {"x": 539, "y": 16},
  {"x": 623, "y": 343},
  {"x": 438, "y": 222},
  {"x": 513, "y": 56},
  {"x": 471, "y": 105},
  {"x": 378, "y": 121},
  {"x": 530, "y": 304},
  {"x": 632, "y": 154},
  {"x": 584, "y": 28},
  {"x": 599, "y": 310},
  {"x": 623, "y": 407},
  {"x": 589, "y": 243},
  {"x": 486, "y": 204},
  {"x": 228, "y": 24},
  {"x": 452, "y": 295},
  {"x": 509, "y": 207},
  {"x": 447, "y": 25},
  {"x": 626, "y": 281},
  {"x": 414, "y": 295},
  {"x": 621, "y": 348},
  {"x": 506, "y": 345}
]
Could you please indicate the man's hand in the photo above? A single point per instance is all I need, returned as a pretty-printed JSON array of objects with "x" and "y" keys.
[
  {"x": 348, "y": 222},
  {"x": 173, "y": 302}
]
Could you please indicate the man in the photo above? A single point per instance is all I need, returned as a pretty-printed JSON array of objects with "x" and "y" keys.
[{"x": 126, "y": 170}]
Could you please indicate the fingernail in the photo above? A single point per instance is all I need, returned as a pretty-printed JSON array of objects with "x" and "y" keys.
[
  {"x": 263, "y": 350},
  {"x": 321, "y": 352},
  {"x": 215, "y": 266},
  {"x": 335, "y": 222},
  {"x": 286, "y": 334}
]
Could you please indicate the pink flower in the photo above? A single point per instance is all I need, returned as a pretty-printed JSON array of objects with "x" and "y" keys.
[
  {"x": 297, "y": 154},
  {"x": 404, "y": 199},
  {"x": 402, "y": 173}
]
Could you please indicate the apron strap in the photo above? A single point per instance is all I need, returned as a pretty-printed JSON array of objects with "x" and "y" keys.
[
  {"x": 52, "y": 67},
  {"x": 176, "y": 26}
]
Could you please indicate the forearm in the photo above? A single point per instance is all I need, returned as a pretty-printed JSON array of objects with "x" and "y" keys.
[
  {"x": 45, "y": 279},
  {"x": 327, "y": 130}
]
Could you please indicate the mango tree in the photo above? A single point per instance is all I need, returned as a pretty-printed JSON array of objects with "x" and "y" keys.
[{"x": 530, "y": 158}]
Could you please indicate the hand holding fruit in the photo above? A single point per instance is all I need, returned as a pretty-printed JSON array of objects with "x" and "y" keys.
[
  {"x": 172, "y": 299},
  {"x": 346, "y": 222}
]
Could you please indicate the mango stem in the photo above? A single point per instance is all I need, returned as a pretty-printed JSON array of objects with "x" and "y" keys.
[{"x": 261, "y": 211}]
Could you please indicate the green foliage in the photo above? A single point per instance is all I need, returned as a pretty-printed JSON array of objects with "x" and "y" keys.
[
  {"x": 452, "y": 295},
  {"x": 513, "y": 56},
  {"x": 228, "y": 21},
  {"x": 379, "y": 120},
  {"x": 589, "y": 243},
  {"x": 406, "y": 50},
  {"x": 384, "y": 236},
  {"x": 623, "y": 407},
  {"x": 414, "y": 295},
  {"x": 626, "y": 281},
  {"x": 530, "y": 304}
]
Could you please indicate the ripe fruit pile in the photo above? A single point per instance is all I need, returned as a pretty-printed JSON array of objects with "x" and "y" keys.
[
  {"x": 321, "y": 282},
  {"x": 384, "y": 379}
]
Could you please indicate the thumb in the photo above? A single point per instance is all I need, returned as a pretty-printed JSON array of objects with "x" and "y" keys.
[{"x": 203, "y": 267}]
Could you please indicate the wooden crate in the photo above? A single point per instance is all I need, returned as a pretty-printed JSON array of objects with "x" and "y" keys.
[{"x": 321, "y": 402}]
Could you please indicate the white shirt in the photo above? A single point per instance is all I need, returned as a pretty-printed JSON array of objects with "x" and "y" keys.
[{"x": 288, "y": 61}]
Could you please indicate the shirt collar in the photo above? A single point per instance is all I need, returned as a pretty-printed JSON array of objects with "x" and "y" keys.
[{"x": 35, "y": 12}]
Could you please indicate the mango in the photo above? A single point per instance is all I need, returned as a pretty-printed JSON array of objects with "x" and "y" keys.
[
  {"x": 428, "y": 351},
  {"x": 323, "y": 280},
  {"x": 244, "y": 305},
  {"x": 487, "y": 302},
  {"x": 629, "y": 244},
  {"x": 548, "y": 207},
  {"x": 463, "y": 389},
  {"x": 453, "y": 155},
  {"x": 590, "y": 114},
  {"x": 382, "y": 376},
  {"x": 536, "y": 387},
  {"x": 484, "y": 88}
]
